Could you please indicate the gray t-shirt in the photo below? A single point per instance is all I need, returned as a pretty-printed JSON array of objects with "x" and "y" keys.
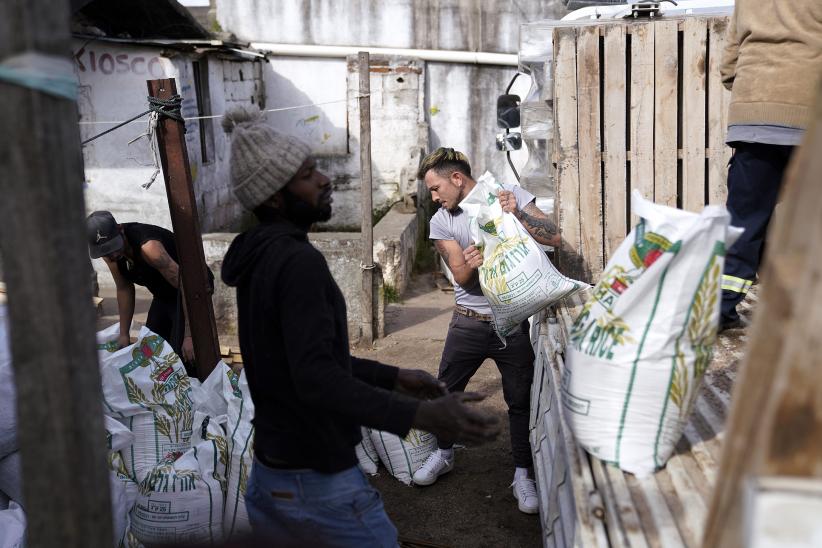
[
  {"x": 446, "y": 225},
  {"x": 763, "y": 133}
]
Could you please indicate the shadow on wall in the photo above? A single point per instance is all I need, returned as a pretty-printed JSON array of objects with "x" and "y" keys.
[{"x": 322, "y": 127}]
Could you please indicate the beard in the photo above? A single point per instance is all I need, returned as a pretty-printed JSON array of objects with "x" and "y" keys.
[{"x": 304, "y": 214}]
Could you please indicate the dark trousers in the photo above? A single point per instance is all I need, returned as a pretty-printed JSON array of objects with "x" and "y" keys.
[
  {"x": 470, "y": 342},
  {"x": 754, "y": 180},
  {"x": 165, "y": 318}
]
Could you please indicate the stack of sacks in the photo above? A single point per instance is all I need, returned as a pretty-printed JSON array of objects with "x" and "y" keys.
[{"x": 400, "y": 456}]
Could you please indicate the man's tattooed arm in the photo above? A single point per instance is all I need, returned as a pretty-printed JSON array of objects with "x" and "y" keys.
[{"x": 539, "y": 225}]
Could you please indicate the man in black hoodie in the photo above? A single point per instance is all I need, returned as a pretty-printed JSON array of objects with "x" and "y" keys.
[{"x": 310, "y": 395}]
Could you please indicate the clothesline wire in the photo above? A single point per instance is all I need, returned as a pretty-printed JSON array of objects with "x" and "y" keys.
[{"x": 136, "y": 118}]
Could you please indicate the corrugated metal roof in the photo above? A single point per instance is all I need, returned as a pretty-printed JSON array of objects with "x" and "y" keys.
[{"x": 138, "y": 19}]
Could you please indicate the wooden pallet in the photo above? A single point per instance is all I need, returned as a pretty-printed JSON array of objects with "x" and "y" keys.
[
  {"x": 231, "y": 356},
  {"x": 637, "y": 105}
]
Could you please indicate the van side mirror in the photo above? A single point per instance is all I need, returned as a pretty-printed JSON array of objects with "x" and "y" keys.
[{"x": 508, "y": 111}]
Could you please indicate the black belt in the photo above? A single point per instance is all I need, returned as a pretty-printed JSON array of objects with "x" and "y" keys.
[{"x": 468, "y": 313}]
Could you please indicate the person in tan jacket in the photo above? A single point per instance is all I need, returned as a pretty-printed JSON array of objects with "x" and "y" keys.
[{"x": 772, "y": 64}]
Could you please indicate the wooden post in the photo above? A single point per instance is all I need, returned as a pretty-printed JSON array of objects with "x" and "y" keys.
[
  {"x": 47, "y": 271},
  {"x": 367, "y": 236},
  {"x": 174, "y": 158},
  {"x": 775, "y": 425}
]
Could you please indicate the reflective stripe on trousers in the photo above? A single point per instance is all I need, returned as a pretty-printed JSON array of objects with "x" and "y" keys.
[{"x": 737, "y": 285}]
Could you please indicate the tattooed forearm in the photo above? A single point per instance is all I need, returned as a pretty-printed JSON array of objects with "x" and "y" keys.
[
  {"x": 155, "y": 254},
  {"x": 539, "y": 225}
]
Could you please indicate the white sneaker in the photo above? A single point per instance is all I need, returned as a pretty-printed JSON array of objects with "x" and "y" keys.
[
  {"x": 525, "y": 491},
  {"x": 433, "y": 467}
]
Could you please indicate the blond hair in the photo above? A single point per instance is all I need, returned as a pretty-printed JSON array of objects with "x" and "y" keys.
[{"x": 445, "y": 161}]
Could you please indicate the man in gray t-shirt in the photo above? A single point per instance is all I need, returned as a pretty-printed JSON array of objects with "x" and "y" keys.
[{"x": 471, "y": 338}]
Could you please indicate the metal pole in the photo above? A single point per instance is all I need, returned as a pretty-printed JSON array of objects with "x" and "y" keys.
[
  {"x": 367, "y": 236},
  {"x": 174, "y": 158},
  {"x": 51, "y": 319}
]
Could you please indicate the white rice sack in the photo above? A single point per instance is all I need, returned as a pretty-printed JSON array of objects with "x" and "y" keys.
[
  {"x": 367, "y": 456},
  {"x": 11, "y": 477},
  {"x": 130, "y": 540},
  {"x": 209, "y": 397},
  {"x": 180, "y": 501},
  {"x": 403, "y": 456},
  {"x": 8, "y": 394},
  {"x": 120, "y": 507},
  {"x": 211, "y": 429},
  {"x": 157, "y": 435},
  {"x": 123, "y": 496},
  {"x": 642, "y": 343},
  {"x": 12, "y": 527},
  {"x": 516, "y": 276},
  {"x": 240, "y": 434},
  {"x": 118, "y": 437},
  {"x": 144, "y": 377}
]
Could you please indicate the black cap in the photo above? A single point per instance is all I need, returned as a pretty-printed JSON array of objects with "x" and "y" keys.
[{"x": 103, "y": 234}]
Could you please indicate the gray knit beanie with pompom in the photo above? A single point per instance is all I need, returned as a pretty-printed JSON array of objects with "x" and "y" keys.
[{"x": 263, "y": 160}]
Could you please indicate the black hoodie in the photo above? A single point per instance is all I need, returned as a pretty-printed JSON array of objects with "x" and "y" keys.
[{"x": 310, "y": 395}]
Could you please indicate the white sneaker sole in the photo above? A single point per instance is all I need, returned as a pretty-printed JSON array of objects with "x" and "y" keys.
[
  {"x": 524, "y": 509},
  {"x": 434, "y": 479}
]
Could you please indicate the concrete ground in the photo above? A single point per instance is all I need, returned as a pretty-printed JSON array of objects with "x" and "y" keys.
[{"x": 473, "y": 505}]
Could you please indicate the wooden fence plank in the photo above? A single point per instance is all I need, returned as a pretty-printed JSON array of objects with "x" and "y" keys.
[
  {"x": 613, "y": 139},
  {"x": 590, "y": 167},
  {"x": 693, "y": 113},
  {"x": 666, "y": 69},
  {"x": 717, "y": 114},
  {"x": 565, "y": 143},
  {"x": 642, "y": 110}
]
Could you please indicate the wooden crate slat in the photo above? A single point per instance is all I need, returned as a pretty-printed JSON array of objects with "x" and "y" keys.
[
  {"x": 613, "y": 522},
  {"x": 642, "y": 110},
  {"x": 590, "y": 170},
  {"x": 659, "y": 513},
  {"x": 566, "y": 144},
  {"x": 691, "y": 520},
  {"x": 666, "y": 108},
  {"x": 717, "y": 114},
  {"x": 628, "y": 513},
  {"x": 613, "y": 139},
  {"x": 695, "y": 35}
]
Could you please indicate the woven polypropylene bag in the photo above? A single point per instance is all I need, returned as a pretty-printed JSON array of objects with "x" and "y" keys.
[
  {"x": 516, "y": 275},
  {"x": 641, "y": 344}
]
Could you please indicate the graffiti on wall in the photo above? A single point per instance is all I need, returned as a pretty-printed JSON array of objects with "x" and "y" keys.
[{"x": 89, "y": 60}]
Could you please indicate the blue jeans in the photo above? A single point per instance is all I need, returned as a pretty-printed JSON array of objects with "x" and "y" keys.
[{"x": 307, "y": 508}]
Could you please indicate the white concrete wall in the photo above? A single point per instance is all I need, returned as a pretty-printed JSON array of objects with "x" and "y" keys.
[
  {"x": 459, "y": 101},
  {"x": 477, "y": 25}
]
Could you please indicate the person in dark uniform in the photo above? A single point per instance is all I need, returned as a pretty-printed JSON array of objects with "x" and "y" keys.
[{"x": 145, "y": 255}]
